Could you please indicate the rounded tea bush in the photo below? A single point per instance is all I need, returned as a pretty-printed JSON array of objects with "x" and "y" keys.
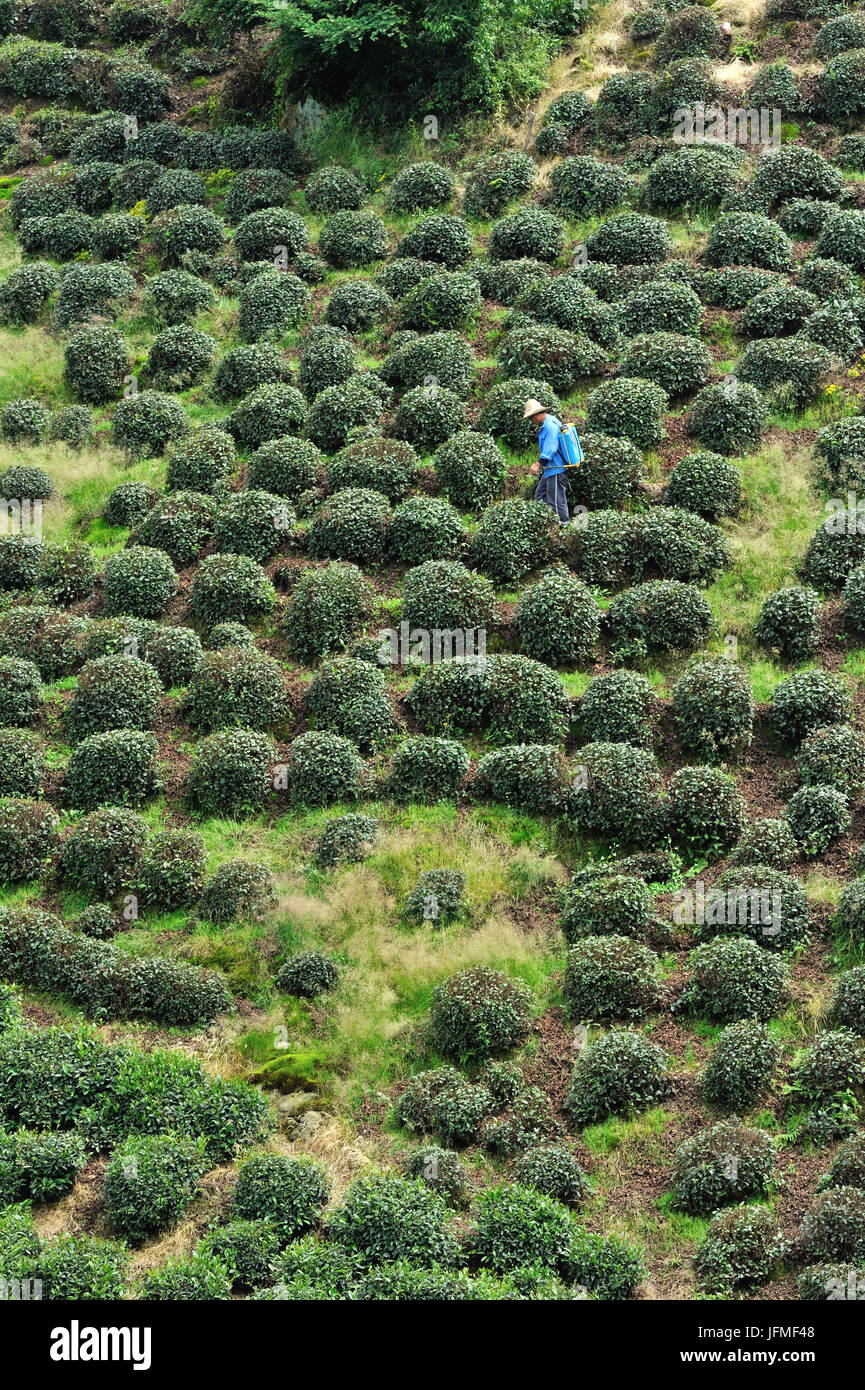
[
  {"x": 383, "y": 465},
  {"x": 230, "y": 588},
  {"x": 834, "y": 757},
  {"x": 421, "y": 186},
  {"x": 442, "y": 1170},
  {"x": 497, "y": 181},
  {"x": 347, "y": 696},
  {"x": 179, "y": 357},
  {"x": 619, "y": 708},
  {"x": 726, "y": 1163},
  {"x": 268, "y": 412},
  {"x": 22, "y": 763},
  {"x": 713, "y": 708},
  {"x": 175, "y": 296},
  {"x": 149, "y": 1181},
  {"x": 140, "y": 581},
  {"x": 621, "y": 1073},
  {"x": 113, "y": 692},
  {"x": 147, "y": 422},
  {"x": 323, "y": 768},
  {"x": 350, "y": 525},
  {"x": 479, "y": 1013},
  {"x": 766, "y": 841},
  {"x": 519, "y": 1227},
  {"x": 615, "y": 791},
  {"x": 285, "y": 467},
  {"x": 629, "y": 407},
  {"x": 28, "y": 838},
  {"x": 424, "y": 529},
  {"x": 327, "y": 608},
  {"x": 117, "y": 768},
  {"x": 740, "y": 1069},
  {"x": 346, "y": 839},
  {"x": 383, "y": 1217},
  {"x": 236, "y": 687},
  {"x": 271, "y": 303},
  {"x": 513, "y": 538},
  {"x": 787, "y": 625},
  {"x": 528, "y": 776},
  {"x": 306, "y": 975},
  {"x": 729, "y": 417},
  {"x": 704, "y": 811},
  {"x": 678, "y": 364},
  {"x": 734, "y": 979},
  {"x": 444, "y": 595},
  {"x": 791, "y": 369},
  {"x": 427, "y": 769},
  {"x": 290, "y": 1193},
  {"x": 659, "y": 615},
  {"x": 605, "y": 903},
  {"x": 557, "y": 619},
  {"x": 742, "y": 1247},
  {"x": 611, "y": 976},
  {"x": 833, "y": 1227},
  {"x": 437, "y": 897},
  {"x": 818, "y": 816},
  {"x": 553, "y": 1170},
  {"x": 96, "y": 363},
  {"x": 350, "y": 238},
  {"x": 229, "y": 775},
  {"x": 333, "y": 189},
  {"x": 102, "y": 852},
  {"x": 747, "y": 238},
  {"x": 128, "y": 504},
  {"x": 807, "y": 701},
  {"x": 180, "y": 524},
  {"x": 253, "y": 523},
  {"x": 759, "y": 901}
]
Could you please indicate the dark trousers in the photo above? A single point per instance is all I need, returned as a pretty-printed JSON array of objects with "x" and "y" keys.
[{"x": 552, "y": 491}]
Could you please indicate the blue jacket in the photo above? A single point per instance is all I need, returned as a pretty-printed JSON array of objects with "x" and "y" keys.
[{"x": 550, "y": 447}]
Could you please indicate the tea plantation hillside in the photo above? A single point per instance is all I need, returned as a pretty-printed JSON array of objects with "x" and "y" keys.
[{"x": 402, "y": 895}]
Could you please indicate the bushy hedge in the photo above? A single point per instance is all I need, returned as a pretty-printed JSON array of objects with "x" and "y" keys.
[
  {"x": 383, "y": 1217},
  {"x": 713, "y": 708},
  {"x": 444, "y": 595},
  {"x": 729, "y": 417},
  {"x": 558, "y": 356},
  {"x": 230, "y": 588},
  {"x": 479, "y": 1013},
  {"x": 146, "y": 422},
  {"x": 497, "y": 181},
  {"x": 138, "y": 580},
  {"x": 117, "y": 768},
  {"x": 28, "y": 838},
  {"x": 661, "y": 615},
  {"x": 583, "y": 185},
  {"x": 326, "y": 609},
  {"x": 615, "y": 792},
  {"x": 180, "y": 524},
  {"x": 742, "y": 1247},
  {"x": 791, "y": 369},
  {"x": 557, "y": 620},
  {"x": 733, "y": 979},
  {"x": 229, "y": 775},
  {"x": 427, "y": 769},
  {"x": 236, "y": 687},
  {"x": 807, "y": 701},
  {"x": 629, "y": 407},
  {"x": 333, "y": 189},
  {"x": 741, "y": 1066},
  {"x": 149, "y": 1181},
  {"x": 528, "y": 776},
  {"x": 350, "y": 238},
  {"x": 323, "y": 768},
  {"x": 350, "y": 525},
  {"x": 113, "y": 692},
  {"x": 747, "y": 238},
  {"x": 705, "y": 483},
  {"x": 96, "y": 363},
  {"x": 621, "y": 1073}
]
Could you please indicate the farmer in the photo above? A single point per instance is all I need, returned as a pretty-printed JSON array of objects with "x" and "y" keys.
[{"x": 551, "y": 466}]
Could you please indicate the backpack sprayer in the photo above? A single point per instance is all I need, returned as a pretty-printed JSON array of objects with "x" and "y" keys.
[{"x": 571, "y": 447}]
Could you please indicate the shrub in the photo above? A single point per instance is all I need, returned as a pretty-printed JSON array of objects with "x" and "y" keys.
[
  {"x": 328, "y": 359},
  {"x": 615, "y": 791},
  {"x": 149, "y": 1182},
  {"x": 787, "y": 625},
  {"x": 807, "y": 701},
  {"x": 441, "y": 1170},
  {"x": 621, "y": 1073},
  {"x": 247, "y": 1249},
  {"x": 497, "y": 181},
  {"x": 729, "y": 417},
  {"x": 833, "y": 1227},
  {"x": 661, "y": 308},
  {"x": 512, "y": 539},
  {"x": 262, "y": 235},
  {"x": 128, "y": 504},
  {"x": 438, "y": 896},
  {"x": 742, "y": 1247},
  {"x": 713, "y": 708},
  {"x": 199, "y": 1277},
  {"x": 443, "y": 238},
  {"x": 117, "y": 235},
  {"x": 340, "y": 410},
  {"x": 829, "y": 1281},
  {"x": 692, "y": 175},
  {"x": 818, "y": 816},
  {"x": 383, "y": 465},
  {"x": 96, "y": 364},
  {"x": 24, "y": 421},
  {"x": 525, "y": 776},
  {"x": 479, "y": 1013},
  {"x": 502, "y": 412},
  {"x": 237, "y": 889},
  {"x": 236, "y": 687},
  {"x": 347, "y": 696},
  {"x": 19, "y": 561},
  {"x": 704, "y": 811},
  {"x": 611, "y": 976},
  {"x": 605, "y": 903},
  {"x": 552, "y": 1170},
  {"x": 202, "y": 463},
  {"x": 66, "y": 574},
  {"x": 253, "y": 523},
  {"x": 172, "y": 870},
  {"x": 734, "y": 285},
  {"x": 427, "y": 769},
  {"x": 66, "y": 236},
  {"x": 426, "y": 417},
  {"x": 508, "y": 281},
  {"x": 307, "y": 974},
  {"x": 285, "y": 467},
  {"x": 351, "y": 238},
  {"x": 444, "y": 357},
  {"x": 734, "y": 979},
  {"x": 28, "y": 836},
  {"x": 333, "y": 189},
  {"x": 610, "y": 472},
  {"x": 139, "y": 580},
  {"x": 102, "y": 851},
  {"x": 357, "y": 305},
  {"x": 383, "y": 1217},
  {"x": 766, "y": 841},
  {"x": 443, "y": 300},
  {"x": 678, "y": 364},
  {"x": 346, "y": 838},
  {"x": 80, "y": 1266},
  {"x": 113, "y": 692},
  {"x": 49, "y": 636},
  {"x": 326, "y": 609},
  {"x": 630, "y": 239},
  {"x": 421, "y": 186},
  {"x": 619, "y": 708},
  {"x": 582, "y": 185},
  {"x": 22, "y": 763},
  {"x": 566, "y": 302},
  {"x": 271, "y": 303},
  {"x": 41, "y": 1167},
  {"x": 424, "y": 529},
  {"x": 254, "y": 189},
  {"x": 230, "y": 588},
  {"x": 117, "y": 768},
  {"x": 562, "y": 358},
  {"x": 629, "y": 407},
  {"x": 706, "y": 484},
  {"x": 350, "y": 525},
  {"x": 443, "y": 595},
  {"x": 147, "y": 422},
  {"x": 790, "y": 368},
  {"x": 26, "y": 291},
  {"x": 741, "y": 1066},
  {"x": 726, "y": 1163},
  {"x": 834, "y": 757},
  {"x": 323, "y": 768},
  {"x": 519, "y": 1227},
  {"x": 179, "y": 357},
  {"x": 557, "y": 620},
  {"x": 842, "y": 238},
  {"x": 747, "y": 238},
  {"x": 847, "y": 1168},
  {"x": 176, "y": 296},
  {"x": 179, "y": 524},
  {"x": 658, "y": 615}
]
